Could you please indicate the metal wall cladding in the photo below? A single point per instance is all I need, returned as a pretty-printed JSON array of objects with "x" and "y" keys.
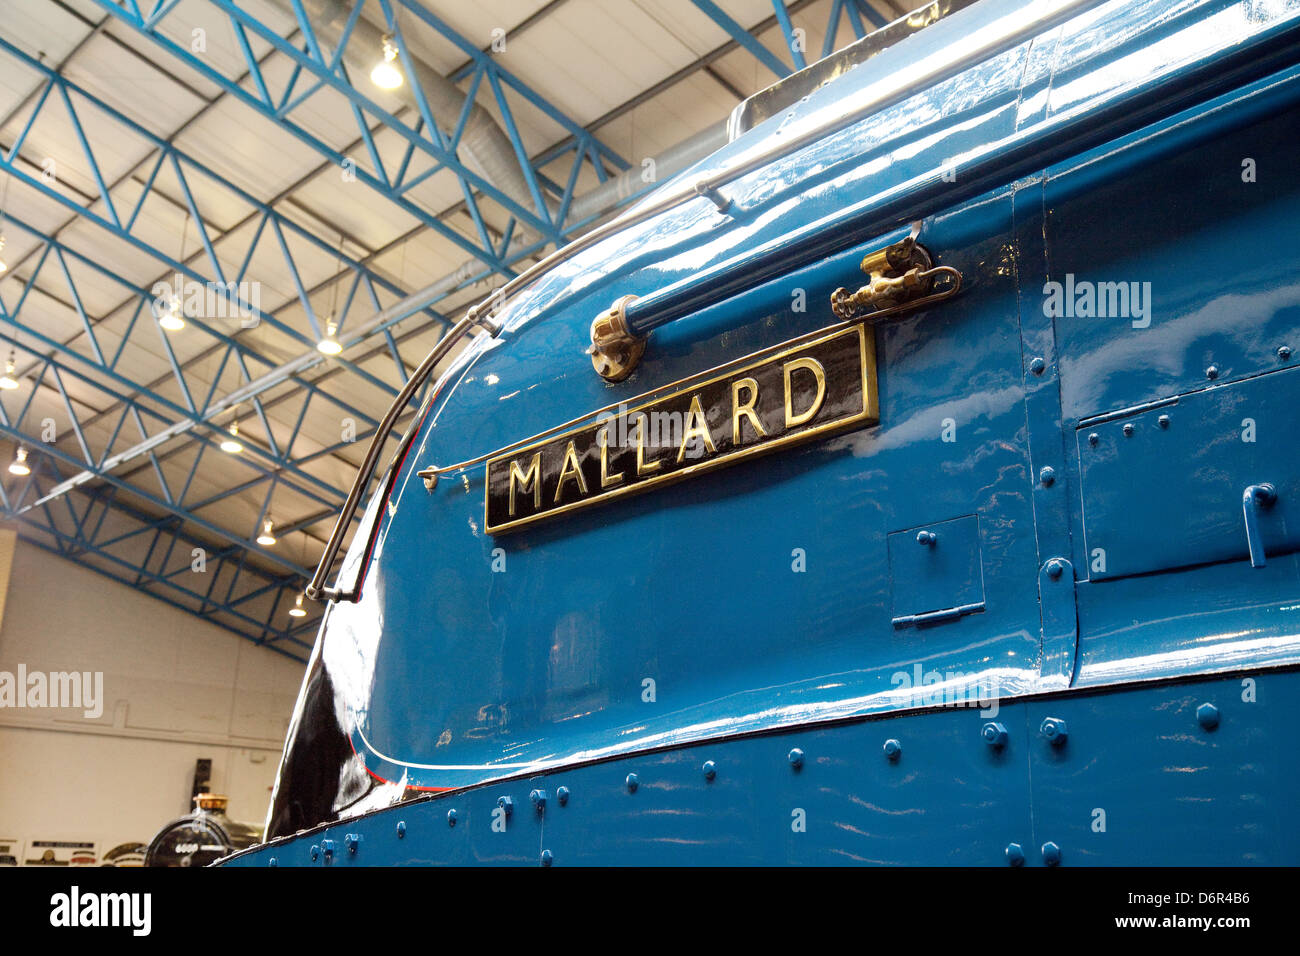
[{"x": 1164, "y": 489}]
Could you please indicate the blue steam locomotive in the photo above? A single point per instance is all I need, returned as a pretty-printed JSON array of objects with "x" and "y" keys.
[{"x": 915, "y": 480}]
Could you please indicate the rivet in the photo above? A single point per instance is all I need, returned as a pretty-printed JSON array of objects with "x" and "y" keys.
[
  {"x": 562, "y": 795},
  {"x": 1093, "y": 438},
  {"x": 1207, "y": 715},
  {"x": 538, "y": 797},
  {"x": 1055, "y": 568},
  {"x": 1163, "y": 421},
  {"x": 1212, "y": 372},
  {"x": 1054, "y": 729},
  {"x": 1284, "y": 353},
  {"x": 1047, "y": 475},
  {"x": 795, "y": 757},
  {"x": 272, "y": 862},
  {"x": 506, "y": 804},
  {"x": 1015, "y": 854},
  {"x": 547, "y": 858},
  {"x": 315, "y": 852},
  {"x": 401, "y": 829},
  {"x": 632, "y": 783},
  {"x": 893, "y": 748},
  {"x": 710, "y": 770},
  {"x": 327, "y": 849},
  {"x": 1037, "y": 365},
  {"x": 994, "y": 734},
  {"x": 1051, "y": 854},
  {"x": 451, "y": 818},
  {"x": 1128, "y": 430},
  {"x": 352, "y": 841},
  {"x": 926, "y": 538}
]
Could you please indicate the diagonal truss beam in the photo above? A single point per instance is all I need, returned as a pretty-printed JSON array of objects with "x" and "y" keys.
[
  {"x": 435, "y": 137},
  {"x": 98, "y": 530},
  {"x": 228, "y": 291}
]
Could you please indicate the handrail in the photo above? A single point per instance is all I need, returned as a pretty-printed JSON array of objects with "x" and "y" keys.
[{"x": 317, "y": 587}]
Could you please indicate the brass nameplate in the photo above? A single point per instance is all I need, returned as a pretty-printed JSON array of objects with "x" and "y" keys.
[{"x": 790, "y": 393}]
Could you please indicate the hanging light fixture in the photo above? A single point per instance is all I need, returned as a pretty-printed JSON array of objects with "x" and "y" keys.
[
  {"x": 330, "y": 345},
  {"x": 169, "y": 314},
  {"x": 266, "y": 538},
  {"x": 10, "y": 380},
  {"x": 170, "y": 317},
  {"x": 386, "y": 75},
  {"x": 298, "y": 610},
  {"x": 19, "y": 465},
  {"x": 231, "y": 445}
]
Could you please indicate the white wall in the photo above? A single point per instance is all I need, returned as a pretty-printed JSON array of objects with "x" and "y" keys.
[{"x": 176, "y": 688}]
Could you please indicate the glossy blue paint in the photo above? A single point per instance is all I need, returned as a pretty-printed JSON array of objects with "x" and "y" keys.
[
  {"x": 760, "y": 613},
  {"x": 1169, "y": 792}
]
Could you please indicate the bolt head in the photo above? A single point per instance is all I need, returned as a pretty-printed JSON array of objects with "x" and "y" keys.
[
  {"x": 632, "y": 782},
  {"x": 795, "y": 757},
  {"x": 538, "y": 798},
  {"x": 1047, "y": 475},
  {"x": 451, "y": 818},
  {"x": 1037, "y": 365},
  {"x": 272, "y": 862},
  {"x": 893, "y": 748},
  {"x": 1055, "y": 568},
  {"x": 1093, "y": 438},
  {"x": 547, "y": 858},
  {"x": 1207, "y": 715},
  {"x": 1128, "y": 430},
  {"x": 562, "y": 795},
  {"x": 994, "y": 734},
  {"x": 1163, "y": 421},
  {"x": 1015, "y": 854},
  {"x": 1284, "y": 353},
  {"x": 1054, "y": 729},
  {"x": 315, "y": 852},
  {"x": 1212, "y": 372},
  {"x": 1051, "y": 854},
  {"x": 401, "y": 829},
  {"x": 710, "y": 770}
]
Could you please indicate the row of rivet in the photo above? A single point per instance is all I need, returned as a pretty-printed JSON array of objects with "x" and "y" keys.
[{"x": 995, "y": 734}]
